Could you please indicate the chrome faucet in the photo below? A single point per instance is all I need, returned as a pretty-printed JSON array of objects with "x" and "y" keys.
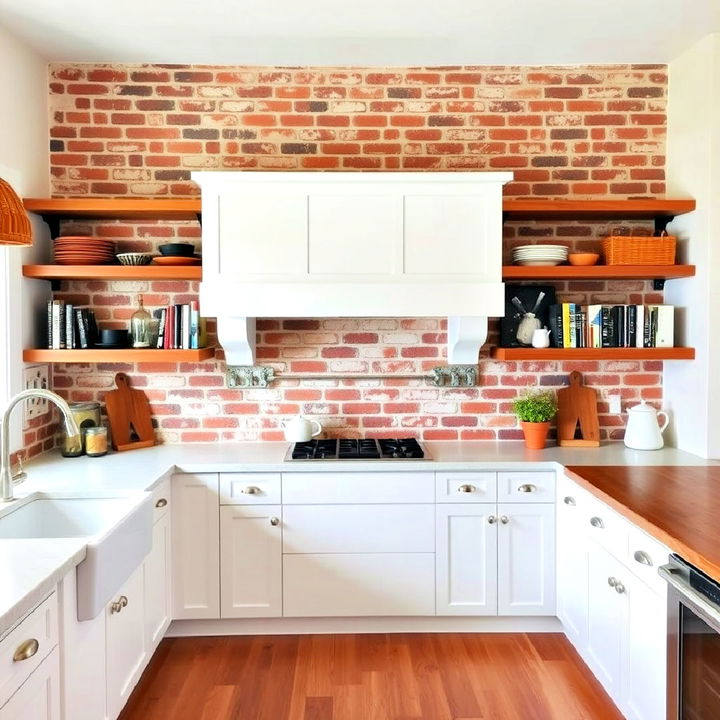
[{"x": 6, "y": 484}]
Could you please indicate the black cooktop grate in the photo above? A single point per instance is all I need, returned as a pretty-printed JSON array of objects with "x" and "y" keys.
[{"x": 350, "y": 449}]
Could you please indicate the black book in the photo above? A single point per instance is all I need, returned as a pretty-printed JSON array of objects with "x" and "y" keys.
[
  {"x": 653, "y": 324},
  {"x": 580, "y": 325},
  {"x": 631, "y": 325},
  {"x": 607, "y": 326},
  {"x": 80, "y": 315},
  {"x": 616, "y": 334},
  {"x": 92, "y": 328},
  {"x": 555, "y": 321},
  {"x": 177, "y": 329},
  {"x": 160, "y": 316}
]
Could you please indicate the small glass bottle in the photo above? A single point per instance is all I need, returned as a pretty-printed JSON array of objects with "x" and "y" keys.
[
  {"x": 96, "y": 441},
  {"x": 140, "y": 326}
]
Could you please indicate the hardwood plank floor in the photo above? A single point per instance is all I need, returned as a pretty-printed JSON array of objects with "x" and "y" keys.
[{"x": 369, "y": 677}]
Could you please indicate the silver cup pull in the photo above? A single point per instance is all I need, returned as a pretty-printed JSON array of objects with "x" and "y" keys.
[
  {"x": 569, "y": 500},
  {"x": 251, "y": 490},
  {"x": 642, "y": 557},
  {"x": 274, "y": 521},
  {"x": 466, "y": 488},
  {"x": 527, "y": 488},
  {"x": 492, "y": 519},
  {"x": 504, "y": 519},
  {"x": 597, "y": 522},
  {"x": 25, "y": 650}
]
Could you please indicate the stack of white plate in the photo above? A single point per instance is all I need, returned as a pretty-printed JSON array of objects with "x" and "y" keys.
[{"x": 540, "y": 254}]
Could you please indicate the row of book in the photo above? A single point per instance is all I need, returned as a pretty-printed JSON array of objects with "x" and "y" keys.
[
  {"x": 611, "y": 326},
  {"x": 181, "y": 327},
  {"x": 70, "y": 327}
]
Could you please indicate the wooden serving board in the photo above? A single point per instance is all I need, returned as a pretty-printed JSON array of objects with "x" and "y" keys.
[
  {"x": 577, "y": 404},
  {"x": 129, "y": 416}
]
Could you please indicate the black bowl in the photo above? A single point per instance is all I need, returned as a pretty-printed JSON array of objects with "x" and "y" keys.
[
  {"x": 179, "y": 249},
  {"x": 112, "y": 336}
]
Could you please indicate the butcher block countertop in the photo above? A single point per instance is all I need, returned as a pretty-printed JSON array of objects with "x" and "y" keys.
[{"x": 679, "y": 506}]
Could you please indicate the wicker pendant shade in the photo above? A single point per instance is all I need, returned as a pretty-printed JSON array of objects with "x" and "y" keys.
[{"x": 14, "y": 222}]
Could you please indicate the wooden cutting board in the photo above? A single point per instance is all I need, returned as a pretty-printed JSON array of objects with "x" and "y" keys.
[
  {"x": 129, "y": 416},
  {"x": 577, "y": 404}
]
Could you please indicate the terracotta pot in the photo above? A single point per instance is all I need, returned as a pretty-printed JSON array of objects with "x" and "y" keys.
[{"x": 535, "y": 434}]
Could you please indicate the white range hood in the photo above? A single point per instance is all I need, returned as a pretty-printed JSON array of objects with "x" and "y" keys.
[{"x": 352, "y": 245}]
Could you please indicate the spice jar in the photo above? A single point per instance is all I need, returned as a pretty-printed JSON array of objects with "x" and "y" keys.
[{"x": 96, "y": 441}]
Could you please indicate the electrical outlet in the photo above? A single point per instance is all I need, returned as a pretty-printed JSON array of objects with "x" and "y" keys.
[
  {"x": 35, "y": 377},
  {"x": 614, "y": 404}
]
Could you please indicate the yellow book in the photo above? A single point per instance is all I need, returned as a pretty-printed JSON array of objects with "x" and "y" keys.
[{"x": 566, "y": 325}]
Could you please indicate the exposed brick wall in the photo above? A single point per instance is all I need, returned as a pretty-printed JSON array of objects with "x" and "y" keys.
[{"x": 141, "y": 130}]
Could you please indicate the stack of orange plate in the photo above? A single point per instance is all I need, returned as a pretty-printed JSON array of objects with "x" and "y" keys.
[{"x": 83, "y": 250}]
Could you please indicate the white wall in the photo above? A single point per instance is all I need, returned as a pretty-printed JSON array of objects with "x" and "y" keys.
[
  {"x": 24, "y": 163},
  {"x": 692, "y": 389}
]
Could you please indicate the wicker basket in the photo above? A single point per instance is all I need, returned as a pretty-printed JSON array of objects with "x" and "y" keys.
[{"x": 639, "y": 250}]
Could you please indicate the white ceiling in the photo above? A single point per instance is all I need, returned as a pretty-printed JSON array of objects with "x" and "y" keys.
[{"x": 361, "y": 32}]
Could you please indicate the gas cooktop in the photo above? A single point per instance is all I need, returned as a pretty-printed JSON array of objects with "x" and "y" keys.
[{"x": 341, "y": 449}]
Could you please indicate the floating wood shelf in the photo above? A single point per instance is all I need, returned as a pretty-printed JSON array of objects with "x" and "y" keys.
[
  {"x": 113, "y": 272},
  {"x": 597, "y": 272},
  {"x": 116, "y": 208},
  {"x": 674, "y": 353},
  {"x": 594, "y": 209},
  {"x": 129, "y": 355}
]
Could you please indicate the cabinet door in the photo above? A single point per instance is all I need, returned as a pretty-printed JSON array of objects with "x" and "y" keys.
[
  {"x": 645, "y": 665},
  {"x": 466, "y": 559},
  {"x": 526, "y": 559},
  {"x": 572, "y": 571},
  {"x": 251, "y": 561},
  {"x": 195, "y": 520},
  {"x": 38, "y": 698},
  {"x": 125, "y": 642},
  {"x": 156, "y": 571},
  {"x": 607, "y": 619}
]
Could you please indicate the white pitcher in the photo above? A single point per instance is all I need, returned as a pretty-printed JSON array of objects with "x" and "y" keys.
[
  {"x": 541, "y": 338},
  {"x": 300, "y": 429},
  {"x": 643, "y": 431}
]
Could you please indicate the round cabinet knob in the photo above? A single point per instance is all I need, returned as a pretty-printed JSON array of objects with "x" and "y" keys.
[
  {"x": 527, "y": 488},
  {"x": 619, "y": 588},
  {"x": 123, "y": 600},
  {"x": 612, "y": 582},
  {"x": 161, "y": 503},
  {"x": 569, "y": 500},
  {"x": 642, "y": 557},
  {"x": 504, "y": 519},
  {"x": 597, "y": 522},
  {"x": 274, "y": 521},
  {"x": 492, "y": 519},
  {"x": 466, "y": 488},
  {"x": 119, "y": 604},
  {"x": 25, "y": 650},
  {"x": 251, "y": 490}
]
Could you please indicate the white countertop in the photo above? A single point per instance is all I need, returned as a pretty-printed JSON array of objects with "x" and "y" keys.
[{"x": 30, "y": 568}]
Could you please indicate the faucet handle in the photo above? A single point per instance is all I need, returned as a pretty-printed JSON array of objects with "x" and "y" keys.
[{"x": 17, "y": 473}]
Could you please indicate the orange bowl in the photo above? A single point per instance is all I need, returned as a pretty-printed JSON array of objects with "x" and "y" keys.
[{"x": 582, "y": 258}]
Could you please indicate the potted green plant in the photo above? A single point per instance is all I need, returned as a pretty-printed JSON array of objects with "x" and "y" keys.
[{"x": 535, "y": 409}]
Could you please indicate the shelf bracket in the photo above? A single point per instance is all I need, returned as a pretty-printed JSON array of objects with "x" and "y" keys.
[
  {"x": 237, "y": 337},
  {"x": 466, "y": 335},
  {"x": 658, "y": 284},
  {"x": 661, "y": 223},
  {"x": 53, "y": 223},
  {"x": 199, "y": 218}
]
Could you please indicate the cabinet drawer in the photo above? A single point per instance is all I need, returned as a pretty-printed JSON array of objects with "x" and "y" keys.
[
  {"x": 358, "y": 487},
  {"x": 465, "y": 487},
  {"x": 605, "y": 526},
  {"x": 358, "y": 528},
  {"x": 41, "y": 626},
  {"x": 161, "y": 500},
  {"x": 526, "y": 487},
  {"x": 645, "y": 555},
  {"x": 359, "y": 585},
  {"x": 250, "y": 488}
]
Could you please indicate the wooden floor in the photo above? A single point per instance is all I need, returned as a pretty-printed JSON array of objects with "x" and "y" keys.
[{"x": 369, "y": 677}]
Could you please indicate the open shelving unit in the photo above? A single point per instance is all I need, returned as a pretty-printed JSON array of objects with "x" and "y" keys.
[{"x": 597, "y": 272}]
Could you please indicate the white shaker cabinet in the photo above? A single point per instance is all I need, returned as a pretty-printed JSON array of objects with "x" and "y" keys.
[
  {"x": 526, "y": 559},
  {"x": 125, "y": 651},
  {"x": 466, "y": 559},
  {"x": 195, "y": 519},
  {"x": 250, "y": 561},
  {"x": 157, "y": 575},
  {"x": 38, "y": 698}
]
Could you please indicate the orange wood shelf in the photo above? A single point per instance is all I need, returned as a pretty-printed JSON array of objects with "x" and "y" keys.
[
  {"x": 517, "y": 209},
  {"x": 113, "y": 272},
  {"x": 116, "y": 208},
  {"x": 597, "y": 272},
  {"x": 674, "y": 353},
  {"x": 129, "y": 355}
]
